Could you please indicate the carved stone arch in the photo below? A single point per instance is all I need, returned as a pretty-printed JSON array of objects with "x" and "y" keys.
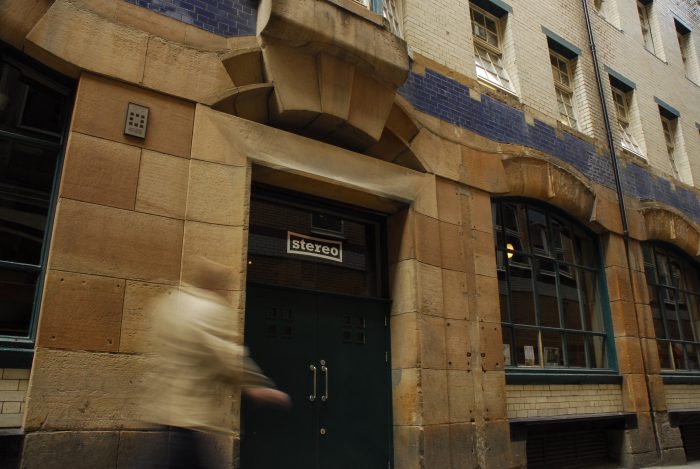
[
  {"x": 543, "y": 180},
  {"x": 664, "y": 223}
]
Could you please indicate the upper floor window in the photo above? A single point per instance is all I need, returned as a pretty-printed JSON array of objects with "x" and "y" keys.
[
  {"x": 690, "y": 61},
  {"x": 389, "y": 9},
  {"x": 562, "y": 70},
  {"x": 674, "y": 289},
  {"x": 669, "y": 128},
  {"x": 550, "y": 289},
  {"x": 622, "y": 97},
  {"x": 488, "y": 48},
  {"x": 33, "y": 116},
  {"x": 644, "y": 10}
]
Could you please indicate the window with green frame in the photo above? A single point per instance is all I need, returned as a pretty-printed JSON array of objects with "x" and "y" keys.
[
  {"x": 551, "y": 289},
  {"x": 674, "y": 290},
  {"x": 33, "y": 117}
]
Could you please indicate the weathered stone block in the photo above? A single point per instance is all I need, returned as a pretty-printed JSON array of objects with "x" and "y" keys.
[
  {"x": 457, "y": 340},
  {"x": 452, "y": 247},
  {"x": 619, "y": 286},
  {"x": 100, "y": 171},
  {"x": 116, "y": 243},
  {"x": 487, "y": 305},
  {"x": 162, "y": 188},
  {"x": 403, "y": 286},
  {"x": 431, "y": 331},
  {"x": 669, "y": 436},
  {"x": 494, "y": 400},
  {"x": 437, "y": 446},
  {"x": 435, "y": 404},
  {"x": 19, "y": 17},
  {"x": 78, "y": 450},
  {"x": 629, "y": 355},
  {"x": 408, "y": 447},
  {"x": 183, "y": 71},
  {"x": 227, "y": 205},
  {"x": 460, "y": 395},
  {"x": 85, "y": 390},
  {"x": 81, "y": 312},
  {"x": 463, "y": 446},
  {"x": 427, "y": 239},
  {"x": 650, "y": 352},
  {"x": 141, "y": 449},
  {"x": 624, "y": 318},
  {"x": 455, "y": 294},
  {"x": 406, "y": 393},
  {"x": 484, "y": 171},
  {"x": 136, "y": 327},
  {"x": 401, "y": 235},
  {"x": 646, "y": 321},
  {"x": 490, "y": 346},
  {"x": 100, "y": 110},
  {"x": 430, "y": 290},
  {"x": 448, "y": 201},
  {"x": 493, "y": 443},
  {"x": 405, "y": 345},
  {"x": 212, "y": 140},
  {"x": 476, "y": 206},
  {"x": 483, "y": 253},
  {"x": 634, "y": 393},
  {"x": 614, "y": 250},
  {"x": 226, "y": 245},
  {"x": 81, "y": 37}
]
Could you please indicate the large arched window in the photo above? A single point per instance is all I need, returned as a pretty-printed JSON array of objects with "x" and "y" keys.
[
  {"x": 674, "y": 289},
  {"x": 550, "y": 289}
]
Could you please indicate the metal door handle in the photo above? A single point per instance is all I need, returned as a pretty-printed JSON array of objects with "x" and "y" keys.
[
  {"x": 324, "y": 370},
  {"x": 312, "y": 397}
]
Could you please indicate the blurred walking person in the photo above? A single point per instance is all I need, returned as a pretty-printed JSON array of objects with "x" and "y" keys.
[{"x": 198, "y": 361}]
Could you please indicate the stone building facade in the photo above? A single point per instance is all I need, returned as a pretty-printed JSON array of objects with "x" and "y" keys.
[{"x": 496, "y": 304}]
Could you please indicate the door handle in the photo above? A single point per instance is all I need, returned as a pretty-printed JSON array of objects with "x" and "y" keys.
[
  {"x": 312, "y": 397},
  {"x": 324, "y": 370}
]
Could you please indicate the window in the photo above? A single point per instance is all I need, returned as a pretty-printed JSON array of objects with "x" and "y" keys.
[
  {"x": 644, "y": 14},
  {"x": 669, "y": 127},
  {"x": 622, "y": 97},
  {"x": 674, "y": 288},
  {"x": 550, "y": 288},
  {"x": 688, "y": 56},
  {"x": 562, "y": 71},
  {"x": 389, "y": 9},
  {"x": 33, "y": 112},
  {"x": 488, "y": 48}
]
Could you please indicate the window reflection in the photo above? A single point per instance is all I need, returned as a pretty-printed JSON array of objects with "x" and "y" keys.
[{"x": 548, "y": 274}]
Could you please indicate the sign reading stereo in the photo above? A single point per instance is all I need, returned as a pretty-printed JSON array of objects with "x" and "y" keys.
[{"x": 316, "y": 247}]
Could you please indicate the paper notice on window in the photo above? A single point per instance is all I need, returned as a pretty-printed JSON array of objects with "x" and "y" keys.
[
  {"x": 506, "y": 355},
  {"x": 529, "y": 355}
]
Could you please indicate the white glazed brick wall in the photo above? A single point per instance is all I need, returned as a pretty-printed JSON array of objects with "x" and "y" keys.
[
  {"x": 682, "y": 396},
  {"x": 550, "y": 400},
  {"x": 13, "y": 390},
  {"x": 441, "y": 31}
]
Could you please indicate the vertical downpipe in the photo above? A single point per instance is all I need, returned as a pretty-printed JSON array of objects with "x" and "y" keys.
[{"x": 621, "y": 202}]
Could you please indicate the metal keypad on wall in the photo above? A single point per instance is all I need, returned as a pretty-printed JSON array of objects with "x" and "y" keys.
[{"x": 136, "y": 120}]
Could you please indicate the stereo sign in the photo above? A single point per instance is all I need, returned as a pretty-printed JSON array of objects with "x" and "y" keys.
[{"x": 316, "y": 247}]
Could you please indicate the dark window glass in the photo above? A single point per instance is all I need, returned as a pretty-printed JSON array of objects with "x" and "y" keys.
[
  {"x": 672, "y": 282},
  {"x": 17, "y": 291},
  {"x": 33, "y": 111},
  {"x": 549, "y": 279},
  {"x": 270, "y": 260}
]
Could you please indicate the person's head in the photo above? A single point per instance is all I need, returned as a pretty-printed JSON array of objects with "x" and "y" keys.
[{"x": 208, "y": 274}]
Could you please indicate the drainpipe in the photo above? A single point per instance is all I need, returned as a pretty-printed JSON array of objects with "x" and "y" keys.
[{"x": 621, "y": 202}]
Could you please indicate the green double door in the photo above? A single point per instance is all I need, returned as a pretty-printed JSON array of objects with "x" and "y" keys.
[{"x": 329, "y": 354}]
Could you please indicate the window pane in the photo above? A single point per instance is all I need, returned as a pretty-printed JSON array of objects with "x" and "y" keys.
[
  {"x": 569, "y": 288},
  {"x": 552, "y": 349},
  {"x": 507, "y": 347},
  {"x": 522, "y": 294},
  {"x": 684, "y": 316},
  {"x": 503, "y": 295},
  {"x": 26, "y": 177},
  {"x": 668, "y": 308},
  {"x": 547, "y": 294},
  {"x": 32, "y": 109},
  {"x": 656, "y": 314},
  {"x": 664, "y": 354},
  {"x": 526, "y": 348},
  {"x": 592, "y": 310},
  {"x": 586, "y": 250},
  {"x": 539, "y": 240},
  {"x": 677, "y": 351},
  {"x": 692, "y": 354},
  {"x": 563, "y": 242},
  {"x": 597, "y": 352},
  {"x": 16, "y": 301}
]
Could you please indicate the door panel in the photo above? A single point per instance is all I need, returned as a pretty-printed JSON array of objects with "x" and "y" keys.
[
  {"x": 281, "y": 333},
  {"x": 346, "y": 340},
  {"x": 352, "y": 341}
]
